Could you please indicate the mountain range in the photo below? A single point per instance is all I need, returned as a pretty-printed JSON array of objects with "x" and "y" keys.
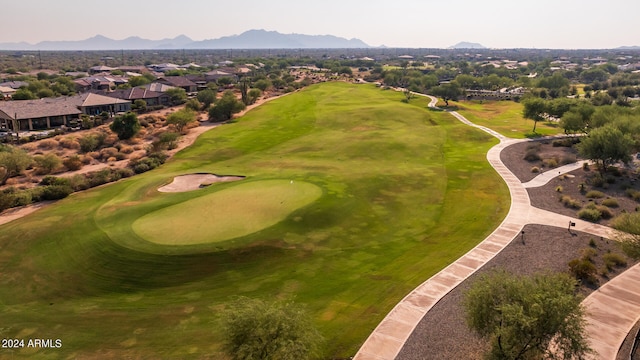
[{"x": 252, "y": 39}]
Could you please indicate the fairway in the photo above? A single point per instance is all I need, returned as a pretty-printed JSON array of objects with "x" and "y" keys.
[
  {"x": 351, "y": 198},
  {"x": 505, "y": 117},
  {"x": 227, "y": 214}
]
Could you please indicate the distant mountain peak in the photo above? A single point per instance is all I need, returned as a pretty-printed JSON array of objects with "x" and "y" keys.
[
  {"x": 467, "y": 45},
  {"x": 251, "y": 39}
]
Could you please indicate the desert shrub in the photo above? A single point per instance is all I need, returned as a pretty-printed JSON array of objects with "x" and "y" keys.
[
  {"x": 633, "y": 193},
  {"x": 47, "y": 164},
  {"x": 54, "y": 180},
  {"x": 610, "y": 202},
  {"x": 534, "y": 145},
  {"x": 612, "y": 260},
  {"x": 551, "y": 162},
  {"x": 597, "y": 180},
  {"x": 22, "y": 198},
  {"x": 584, "y": 270},
  {"x": 47, "y": 144},
  {"x": 69, "y": 142},
  {"x": 568, "y": 159},
  {"x": 532, "y": 155},
  {"x": 585, "y": 166},
  {"x": 610, "y": 179},
  {"x": 589, "y": 214},
  {"x": 98, "y": 178},
  {"x": 582, "y": 187},
  {"x": 126, "y": 149},
  {"x": 108, "y": 152},
  {"x": 535, "y": 169},
  {"x": 55, "y": 192},
  {"x": 592, "y": 243},
  {"x": 567, "y": 142},
  {"x": 570, "y": 202},
  {"x": 605, "y": 212},
  {"x": 614, "y": 170},
  {"x": 72, "y": 163},
  {"x": 78, "y": 182},
  {"x": 559, "y": 189},
  {"x": 125, "y": 172},
  {"x": 589, "y": 253},
  {"x": 88, "y": 143},
  {"x": 595, "y": 194}
]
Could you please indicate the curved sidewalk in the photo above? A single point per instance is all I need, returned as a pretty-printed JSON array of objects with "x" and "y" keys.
[{"x": 386, "y": 341}]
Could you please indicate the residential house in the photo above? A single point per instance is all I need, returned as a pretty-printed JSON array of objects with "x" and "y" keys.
[
  {"x": 157, "y": 87},
  {"x": 152, "y": 98},
  {"x": 179, "y": 81},
  {"x": 101, "y": 69},
  {"x": 46, "y": 113},
  {"x": 99, "y": 82},
  {"x": 15, "y": 84},
  {"x": 213, "y": 76},
  {"x": 6, "y": 92}
]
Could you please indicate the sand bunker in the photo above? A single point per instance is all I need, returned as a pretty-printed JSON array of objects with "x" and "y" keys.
[{"x": 196, "y": 181}]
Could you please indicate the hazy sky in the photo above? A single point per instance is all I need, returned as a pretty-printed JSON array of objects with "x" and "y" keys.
[{"x": 406, "y": 23}]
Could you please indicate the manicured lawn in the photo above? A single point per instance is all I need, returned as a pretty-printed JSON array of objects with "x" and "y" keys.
[
  {"x": 393, "y": 193},
  {"x": 504, "y": 117}
]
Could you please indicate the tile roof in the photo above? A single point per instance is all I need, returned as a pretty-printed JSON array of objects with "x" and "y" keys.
[
  {"x": 31, "y": 109},
  {"x": 179, "y": 81},
  {"x": 134, "y": 94}
]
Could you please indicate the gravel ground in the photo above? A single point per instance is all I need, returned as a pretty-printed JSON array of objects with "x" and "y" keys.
[{"x": 443, "y": 333}]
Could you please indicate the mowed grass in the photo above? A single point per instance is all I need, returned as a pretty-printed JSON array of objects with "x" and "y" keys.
[
  {"x": 234, "y": 212},
  {"x": 405, "y": 191},
  {"x": 504, "y": 117}
]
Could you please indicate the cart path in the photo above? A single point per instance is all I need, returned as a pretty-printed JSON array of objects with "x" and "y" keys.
[{"x": 386, "y": 341}]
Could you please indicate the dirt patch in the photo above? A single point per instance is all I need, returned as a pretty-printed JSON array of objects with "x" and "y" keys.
[{"x": 195, "y": 181}]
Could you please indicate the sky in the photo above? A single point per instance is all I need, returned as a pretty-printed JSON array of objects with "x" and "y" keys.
[{"x": 554, "y": 24}]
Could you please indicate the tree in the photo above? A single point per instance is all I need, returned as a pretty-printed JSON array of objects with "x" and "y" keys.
[
  {"x": 13, "y": 161},
  {"x": 262, "y": 84},
  {"x": 255, "y": 330},
  {"x": 606, "y": 145},
  {"x": 125, "y": 126},
  {"x": 447, "y": 91},
  {"x": 534, "y": 109},
  {"x": 534, "y": 317},
  {"x": 181, "y": 118},
  {"x": 206, "y": 97},
  {"x": 225, "y": 107},
  {"x": 140, "y": 105},
  {"x": 253, "y": 95},
  {"x": 177, "y": 95}
]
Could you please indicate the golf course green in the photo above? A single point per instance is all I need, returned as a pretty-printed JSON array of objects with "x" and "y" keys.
[
  {"x": 226, "y": 214},
  {"x": 351, "y": 198}
]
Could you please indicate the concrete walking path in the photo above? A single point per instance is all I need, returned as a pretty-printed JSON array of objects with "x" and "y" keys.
[{"x": 389, "y": 337}]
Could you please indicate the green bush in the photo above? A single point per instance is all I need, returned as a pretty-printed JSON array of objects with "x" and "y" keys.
[
  {"x": 589, "y": 253},
  {"x": 584, "y": 270},
  {"x": 633, "y": 193},
  {"x": 588, "y": 214},
  {"x": 597, "y": 180},
  {"x": 610, "y": 202},
  {"x": 532, "y": 155},
  {"x": 595, "y": 194},
  {"x": 612, "y": 260},
  {"x": 605, "y": 212},
  {"x": 570, "y": 202},
  {"x": 551, "y": 163},
  {"x": 72, "y": 163},
  {"x": 56, "y": 192},
  {"x": 53, "y": 180},
  {"x": 535, "y": 169}
]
